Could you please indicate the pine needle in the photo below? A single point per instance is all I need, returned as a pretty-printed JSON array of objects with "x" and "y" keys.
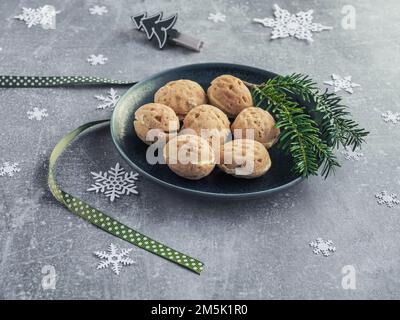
[{"x": 312, "y": 123}]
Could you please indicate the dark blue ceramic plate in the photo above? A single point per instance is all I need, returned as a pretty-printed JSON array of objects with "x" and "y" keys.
[{"x": 217, "y": 184}]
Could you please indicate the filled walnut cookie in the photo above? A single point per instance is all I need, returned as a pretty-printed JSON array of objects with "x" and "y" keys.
[
  {"x": 181, "y": 95},
  {"x": 208, "y": 122},
  {"x": 157, "y": 117},
  {"x": 244, "y": 158},
  {"x": 258, "y": 124},
  {"x": 229, "y": 94},
  {"x": 189, "y": 156}
]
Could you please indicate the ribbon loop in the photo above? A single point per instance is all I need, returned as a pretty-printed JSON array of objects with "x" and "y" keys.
[{"x": 103, "y": 221}]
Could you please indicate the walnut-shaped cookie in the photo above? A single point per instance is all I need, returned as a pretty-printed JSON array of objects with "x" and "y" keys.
[
  {"x": 189, "y": 156},
  {"x": 258, "y": 124},
  {"x": 208, "y": 122},
  {"x": 154, "y": 121},
  {"x": 229, "y": 94},
  {"x": 244, "y": 158},
  {"x": 181, "y": 95}
]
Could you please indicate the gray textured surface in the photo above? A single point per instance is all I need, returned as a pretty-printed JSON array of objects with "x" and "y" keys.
[{"x": 252, "y": 249}]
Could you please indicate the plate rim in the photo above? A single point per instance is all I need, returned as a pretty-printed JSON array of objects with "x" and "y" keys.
[{"x": 173, "y": 186}]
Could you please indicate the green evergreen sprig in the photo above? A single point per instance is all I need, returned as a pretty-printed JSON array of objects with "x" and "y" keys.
[{"x": 312, "y": 123}]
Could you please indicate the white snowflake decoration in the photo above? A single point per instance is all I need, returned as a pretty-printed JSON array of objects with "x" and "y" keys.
[
  {"x": 99, "y": 10},
  {"x": 37, "y": 114},
  {"x": 321, "y": 246},
  {"x": 114, "y": 257},
  {"x": 217, "y": 17},
  {"x": 44, "y": 16},
  {"x": 389, "y": 116},
  {"x": 285, "y": 24},
  {"x": 114, "y": 183},
  {"x": 9, "y": 169},
  {"x": 108, "y": 101},
  {"x": 95, "y": 60},
  {"x": 390, "y": 200},
  {"x": 349, "y": 154},
  {"x": 342, "y": 83}
]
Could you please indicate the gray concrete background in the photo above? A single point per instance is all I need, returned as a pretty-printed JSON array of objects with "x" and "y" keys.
[{"x": 256, "y": 249}]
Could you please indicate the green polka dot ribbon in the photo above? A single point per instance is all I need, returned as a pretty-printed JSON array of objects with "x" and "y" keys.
[
  {"x": 103, "y": 221},
  {"x": 65, "y": 81},
  {"x": 77, "y": 206}
]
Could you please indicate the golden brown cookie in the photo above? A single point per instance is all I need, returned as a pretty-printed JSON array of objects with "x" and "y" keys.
[
  {"x": 260, "y": 123},
  {"x": 229, "y": 94},
  {"x": 189, "y": 156},
  {"x": 244, "y": 158},
  {"x": 181, "y": 96},
  {"x": 208, "y": 122},
  {"x": 158, "y": 117}
]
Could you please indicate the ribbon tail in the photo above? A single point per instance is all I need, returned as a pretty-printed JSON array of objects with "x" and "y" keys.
[{"x": 105, "y": 222}]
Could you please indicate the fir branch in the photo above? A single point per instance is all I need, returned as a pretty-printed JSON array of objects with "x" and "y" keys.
[
  {"x": 309, "y": 134},
  {"x": 334, "y": 119},
  {"x": 336, "y": 124},
  {"x": 300, "y": 134}
]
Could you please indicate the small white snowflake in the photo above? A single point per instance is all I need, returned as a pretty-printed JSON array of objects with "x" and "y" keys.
[
  {"x": 349, "y": 154},
  {"x": 321, "y": 246},
  {"x": 99, "y": 10},
  {"x": 9, "y": 169},
  {"x": 108, "y": 101},
  {"x": 44, "y": 16},
  {"x": 115, "y": 257},
  {"x": 285, "y": 24},
  {"x": 342, "y": 83},
  {"x": 114, "y": 183},
  {"x": 37, "y": 114},
  {"x": 95, "y": 60},
  {"x": 389, "y": 116},
  {"x": 390, "y": 200},
  {"x": 217, "y": 17}
]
